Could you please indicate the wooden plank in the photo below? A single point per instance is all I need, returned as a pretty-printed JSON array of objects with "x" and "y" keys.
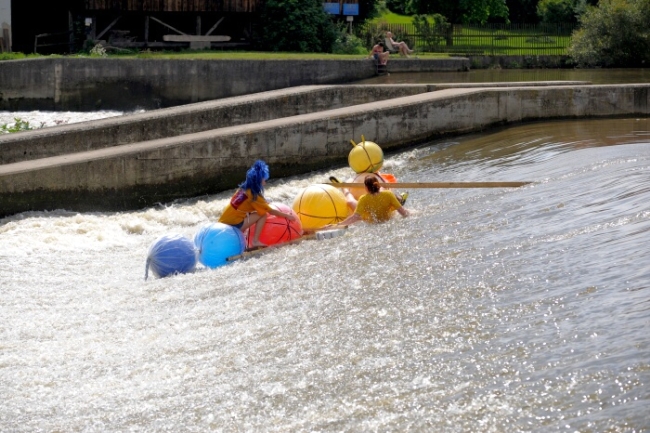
[
  {"x": 167, "y": 25},
  {"x": 195, "y": 38},
  {"x": 214, "y": 27},
  {"x": 435, "y": 185}
]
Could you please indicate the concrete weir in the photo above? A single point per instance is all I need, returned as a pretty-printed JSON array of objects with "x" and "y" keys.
[{"x": 135, "y": 161}]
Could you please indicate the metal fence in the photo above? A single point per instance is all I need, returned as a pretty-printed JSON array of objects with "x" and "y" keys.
[{"x": 489, "y": 39}]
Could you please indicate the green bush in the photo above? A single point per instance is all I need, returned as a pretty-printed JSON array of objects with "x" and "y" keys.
[
  {"x": 18, "y": 125},
  {"x": 296, "y": 25},
  {"x": 433, "y": 29},
  {"x": 346, "y": 43},
  {"x": 613, "y": 34},
  {"x": 556, "y": 11}
]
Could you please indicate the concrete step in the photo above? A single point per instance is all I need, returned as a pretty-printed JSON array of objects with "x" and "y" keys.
[{"x": 191, "y": 118}]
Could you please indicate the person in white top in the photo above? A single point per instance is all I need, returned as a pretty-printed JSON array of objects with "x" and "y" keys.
[{"x": 401, "y": 46}]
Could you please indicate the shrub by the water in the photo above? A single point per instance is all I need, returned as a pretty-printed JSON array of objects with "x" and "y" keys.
[
  {"x": 346, "y": 43},
  {"x": 17, "y": 126},
  {"x": 613, "y": 34},
  {"x": 296, "y": 25},
  {"x": 556, "y": 11}
]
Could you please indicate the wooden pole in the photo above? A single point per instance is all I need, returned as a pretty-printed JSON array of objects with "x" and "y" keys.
[{"x": 435, "y": 184}]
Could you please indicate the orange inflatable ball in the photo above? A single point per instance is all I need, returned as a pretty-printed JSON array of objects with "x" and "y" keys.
[
  {"x": 357, "y": 192},
  {"x": 320, "y": 205},
  {"x": 365, "y": 157},
  {"x": 276, "y": 230}
]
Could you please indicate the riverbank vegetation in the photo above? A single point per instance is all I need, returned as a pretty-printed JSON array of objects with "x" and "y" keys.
[
  {"x": 18, "y": 125},
  {"x": 613, "y": 34},
  {"x": 608, "y": 33}
]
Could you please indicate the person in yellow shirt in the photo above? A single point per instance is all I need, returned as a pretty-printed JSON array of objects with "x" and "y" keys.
[
  {"x": 248, "y": 205},
  {"x": 376, "y": 206}
]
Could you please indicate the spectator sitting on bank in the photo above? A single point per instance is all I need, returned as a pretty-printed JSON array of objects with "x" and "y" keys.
[
  {"x": 379, "y": 54},
  {"x": 402, "y": 47}
]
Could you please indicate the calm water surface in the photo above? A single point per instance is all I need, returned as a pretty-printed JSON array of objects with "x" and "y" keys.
[
  {"x": 493, "y": 310},
  {"x": 595, "y": 76}
]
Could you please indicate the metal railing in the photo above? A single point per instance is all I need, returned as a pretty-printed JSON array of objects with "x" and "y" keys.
[
  {"x": 489, "y": 39},
  {"x": 53, "y": 40}
]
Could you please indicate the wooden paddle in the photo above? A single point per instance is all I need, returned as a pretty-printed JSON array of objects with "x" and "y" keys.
[{"x": 435, "y": 184}]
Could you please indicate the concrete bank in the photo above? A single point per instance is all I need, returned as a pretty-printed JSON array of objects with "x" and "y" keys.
[
  {"x": 191, "y": 118},
  {"x": 90, "y": 84},
  {"x": 141, "y": 174},
  {"x": 203, "y": 116}
]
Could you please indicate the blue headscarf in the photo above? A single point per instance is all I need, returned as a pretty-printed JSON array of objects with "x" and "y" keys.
[{"x": 254, "y": 177}]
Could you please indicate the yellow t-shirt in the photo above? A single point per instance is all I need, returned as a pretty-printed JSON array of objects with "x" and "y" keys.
[
  {"x": 241, "y": 204},
  {"x": 374, "y": 208}
]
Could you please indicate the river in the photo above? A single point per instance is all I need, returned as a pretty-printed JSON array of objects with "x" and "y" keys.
[{"x": 492, "y": 310}]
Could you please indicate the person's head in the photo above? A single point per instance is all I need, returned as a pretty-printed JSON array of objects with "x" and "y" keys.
[
  {"x": 255, "y": 177},
  {"x": 389, "y": 34},
  {"x": 372, "y": 184}
]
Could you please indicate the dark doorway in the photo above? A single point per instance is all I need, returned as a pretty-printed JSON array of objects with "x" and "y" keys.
[{"x": 30, "y": 18}]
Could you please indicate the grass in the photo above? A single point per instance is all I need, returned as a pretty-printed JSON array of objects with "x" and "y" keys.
[
  {"x": 471, "y": 39},
  {"x": 219, "y": 55},
  {"x": 525, "y": 40},
  {"x": 18, "y": 56},
  {"x": 250, "y": 55},
  {"x": 392, "y": 18}
]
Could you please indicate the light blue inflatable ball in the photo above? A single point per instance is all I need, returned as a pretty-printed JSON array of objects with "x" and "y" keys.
[
  {"x": 171, "y": 254},
  {"x": 216, "y": 242}
]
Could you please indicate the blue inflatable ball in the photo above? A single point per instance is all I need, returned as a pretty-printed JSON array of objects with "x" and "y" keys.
[
  {"x": 216, "y": 242},
  {"x": 171, "y": 254}
]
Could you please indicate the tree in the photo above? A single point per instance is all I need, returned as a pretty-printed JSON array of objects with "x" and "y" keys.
[
  {"x": 522, "y": 11},
  {"x": 433, "y": 29},
  {"x": 367, "y": 9},
  {"x": 557, "y": 11},
  {"x": 397, "y": 6},
  {"x": 296, "y": 25},
  {"x": 613, "y": 34},
  {"x": 466, "y": 11}
]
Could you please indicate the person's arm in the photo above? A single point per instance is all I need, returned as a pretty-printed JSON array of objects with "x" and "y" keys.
[
  {"x": 355, "y": 217},
  {"x": 403, "y": 211},
  {"x": 346, "y": 222},
  {"x": 277, "y": 213}
]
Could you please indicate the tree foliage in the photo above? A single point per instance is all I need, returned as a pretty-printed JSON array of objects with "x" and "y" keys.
[
  {"x": 613, "y": 34},
  {"x": 296, "y": 25},
  {"x": 367, "y": 9},
  {"x": 522, "y": 11},
  {"x": 433, "y": 29},
  {"x": 557, "y": 11},
  {"x": 456, "y": 11}
]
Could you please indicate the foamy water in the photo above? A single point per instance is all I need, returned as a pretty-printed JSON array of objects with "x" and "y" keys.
[
  {"x": 43, "y": 119},
  {"x": 488, "y": 310}
]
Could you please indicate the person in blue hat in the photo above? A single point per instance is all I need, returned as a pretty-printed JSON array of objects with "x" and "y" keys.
[{"x": 248, "y": 205}]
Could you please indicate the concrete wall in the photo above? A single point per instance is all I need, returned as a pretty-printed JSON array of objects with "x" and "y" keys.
[
  {"x": 191, "y": 118},
  {"x": 5, "y": 25},
  {"x": 204, "y": 116},
  {"x": 88, "y": 84},
  {"x": 520, "y": 62},
  {"x": 138, "y": 175}
]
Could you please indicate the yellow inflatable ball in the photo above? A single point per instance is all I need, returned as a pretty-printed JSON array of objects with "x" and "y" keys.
[
  {"x": 320, "y": 205},
  {"x": 357, "y": 192},
  {"x": 365, "y": 157}
]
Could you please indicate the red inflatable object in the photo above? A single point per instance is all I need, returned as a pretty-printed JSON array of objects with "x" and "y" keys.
[
  {"x": 359, "y": 178},
  {"x": 277, "y": 230}
]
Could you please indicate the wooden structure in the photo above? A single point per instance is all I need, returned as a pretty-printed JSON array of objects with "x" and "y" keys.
[
  {"x": 66, "y": 25},
  {"x": 170, "y": 23}
]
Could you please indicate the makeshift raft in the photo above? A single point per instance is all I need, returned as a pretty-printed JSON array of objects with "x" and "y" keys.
[{"x": 319, "y": 235}]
